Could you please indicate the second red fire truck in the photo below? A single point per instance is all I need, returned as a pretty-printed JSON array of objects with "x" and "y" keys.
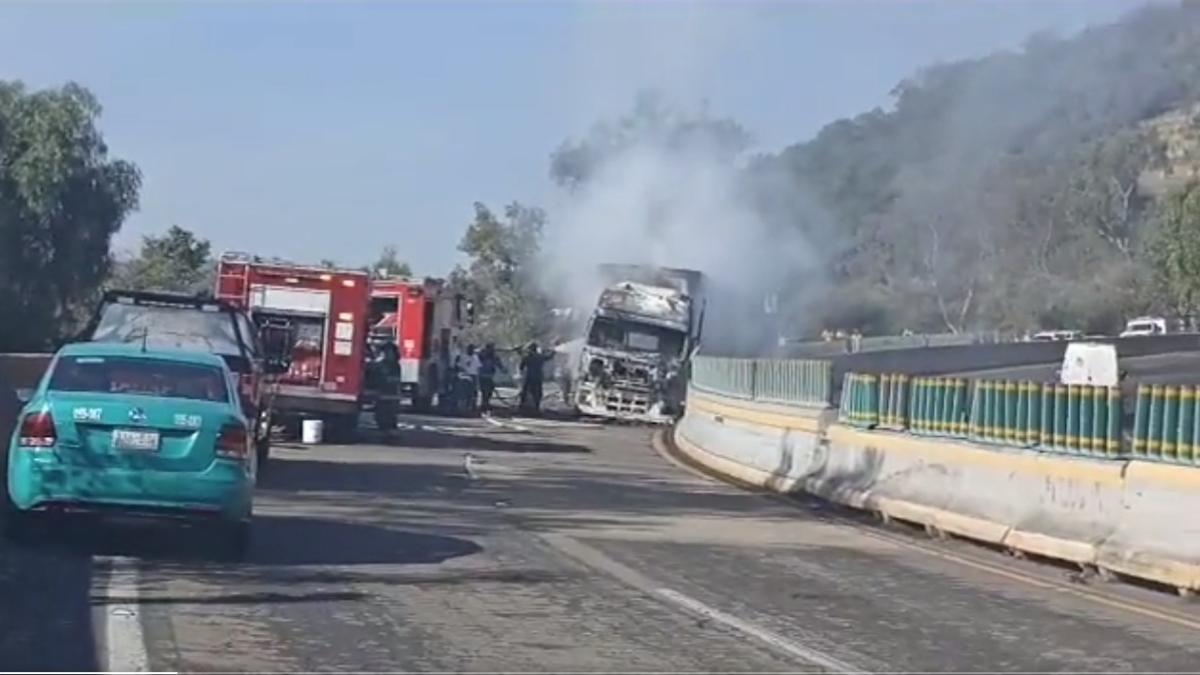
[{"x": 424, "y": 319}]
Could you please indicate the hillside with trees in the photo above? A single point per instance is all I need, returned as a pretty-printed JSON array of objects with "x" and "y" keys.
[{"x": 1018, "y": 190}]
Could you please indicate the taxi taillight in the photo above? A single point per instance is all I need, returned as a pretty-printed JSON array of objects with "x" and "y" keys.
[
  {"x": 37, "y": 430},
  {"x": 233, "y": 442}
]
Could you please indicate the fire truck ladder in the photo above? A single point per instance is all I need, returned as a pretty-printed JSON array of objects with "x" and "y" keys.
[{"x": 233, "y": 286}]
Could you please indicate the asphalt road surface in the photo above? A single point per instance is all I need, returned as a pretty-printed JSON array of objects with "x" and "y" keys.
[{"x": 563, "y": 547}]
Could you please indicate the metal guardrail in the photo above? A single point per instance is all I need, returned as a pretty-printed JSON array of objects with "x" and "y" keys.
[
  {"x": 1166, "y": 424},
  {"x": 860, "y": 400},
  {"x": 805, "y": 382},
  {"x": 837, "y": 346},
  {"x": 1067, "y": 419},
  {"x": 1058, "y": 418}
]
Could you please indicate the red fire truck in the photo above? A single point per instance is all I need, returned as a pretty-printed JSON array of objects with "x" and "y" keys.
[
  {"x": 325, "y": 312},
  {"x": 424, "y": 319}
]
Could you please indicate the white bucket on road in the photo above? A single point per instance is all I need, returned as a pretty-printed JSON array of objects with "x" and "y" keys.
[{"x": 312, "y": 431}]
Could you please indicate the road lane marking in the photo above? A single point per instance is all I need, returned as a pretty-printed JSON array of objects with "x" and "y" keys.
[
  {"x": 124, "y": 641},
  {"x": 595, "y": 559},
  {"x": 505, "y": 425},
  {"x": 662, "y": 446},
  {"x": 775, "y": 640}
]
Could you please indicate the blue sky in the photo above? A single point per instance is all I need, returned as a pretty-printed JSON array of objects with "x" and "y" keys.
[{"x": 328, "y": 130}]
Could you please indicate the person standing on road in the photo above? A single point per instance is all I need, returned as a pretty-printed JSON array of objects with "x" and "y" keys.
[
  {"x": 470, "y": 369},
  {"x": 533, "y": 367},
  {"x": 489, "y": 363}
]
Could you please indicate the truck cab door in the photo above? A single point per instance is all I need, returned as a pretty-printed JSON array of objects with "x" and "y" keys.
[{"x": 277, "y": 340}]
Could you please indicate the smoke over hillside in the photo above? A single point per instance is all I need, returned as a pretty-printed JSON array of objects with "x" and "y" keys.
[{"x": 666, "y": 188}]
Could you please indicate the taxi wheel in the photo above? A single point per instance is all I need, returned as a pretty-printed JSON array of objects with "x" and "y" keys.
[
  {"x": 233, "y": 540},
  {"x": 19, "y": 527}
]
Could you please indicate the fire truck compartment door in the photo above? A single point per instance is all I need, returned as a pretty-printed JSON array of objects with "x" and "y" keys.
[{"x": 290, "y": 300}]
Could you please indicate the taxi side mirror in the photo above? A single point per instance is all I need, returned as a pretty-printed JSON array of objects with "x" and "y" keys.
[{"x": 23, "y": 395}]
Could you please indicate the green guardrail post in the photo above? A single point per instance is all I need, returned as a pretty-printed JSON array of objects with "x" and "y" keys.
[
  {"x": 914, "y": 399},
  {"x": 1022, "y": 422},
  {"x": 961, "y": 410},
  {"x": 954, "y": 421},
  {"x": 1116, "y": 422},
  {"x": 927, "y": 405},
  {"x": 1099, "y": 420},
  {"x": 991, "y": 420},
  {"x": 1141, "y": 421},
  {"x": 1184, "y": 450},
  {"x": 1154, "y": 439},
  {"x": 902, "y": 400},
  {"x": 1033, "y": 424},
  {"x": 856, "y": 390},
  {"x": 1060, "y": 417},
  {"x": 844, "y": 408},
  {"x": 1196, "y": 428},
  {"x": 1042, "y": 409},
  {"x": 941, "y": 408},
  {"x": 1086, "y": 413},
  {"x": 1072, "y": 435},
  {"x": 885, "y": 395},
  {"x": 1012, "y": 412},
  {"x": 973, "y": 414},
  {"x": 933, "y": 406},
  {"x": 1170, "y": 421}
]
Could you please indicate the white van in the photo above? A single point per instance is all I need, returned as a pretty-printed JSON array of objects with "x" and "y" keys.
[{"x": 1145, "y": 325}]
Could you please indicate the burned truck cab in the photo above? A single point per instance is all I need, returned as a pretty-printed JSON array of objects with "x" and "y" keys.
[{"x": 631, "y": 363}]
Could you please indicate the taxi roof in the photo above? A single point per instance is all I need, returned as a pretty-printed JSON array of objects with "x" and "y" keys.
[{"x": 136, "y": 351}]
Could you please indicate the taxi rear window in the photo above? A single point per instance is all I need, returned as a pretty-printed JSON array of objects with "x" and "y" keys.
[{"x": 139, "y": 376}]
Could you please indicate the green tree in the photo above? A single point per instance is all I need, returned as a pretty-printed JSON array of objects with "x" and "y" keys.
[
  {"x": 177, "y": 262},
  {"x": 61, "y": 200},
  {"x": 1175, "y": 249},
  {"x": 498, "y": 278},
  {"x": 390, "y": 265}
]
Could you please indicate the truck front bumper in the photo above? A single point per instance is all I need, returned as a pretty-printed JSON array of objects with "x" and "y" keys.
[{"x": 620, "y": 404}]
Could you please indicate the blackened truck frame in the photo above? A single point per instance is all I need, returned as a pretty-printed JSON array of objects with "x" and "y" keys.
[{"x": 622, "y": 381}]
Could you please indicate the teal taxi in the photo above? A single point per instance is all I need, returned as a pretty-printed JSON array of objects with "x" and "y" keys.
[{"x": 118, "y": 428}]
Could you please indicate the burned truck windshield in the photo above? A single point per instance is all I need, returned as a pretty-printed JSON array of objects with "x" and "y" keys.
[{"x": 635, "y": 337}]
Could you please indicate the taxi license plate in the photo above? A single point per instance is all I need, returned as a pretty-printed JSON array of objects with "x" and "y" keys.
[{"x": 129, "y": 439}]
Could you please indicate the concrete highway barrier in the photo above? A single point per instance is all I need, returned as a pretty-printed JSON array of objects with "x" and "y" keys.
[{"x": 1125, "y": 516}]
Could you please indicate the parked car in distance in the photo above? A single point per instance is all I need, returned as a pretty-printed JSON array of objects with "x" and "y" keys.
[
  {"x": 1055, "y": 335},
  {"x": 116, "y": 428}
]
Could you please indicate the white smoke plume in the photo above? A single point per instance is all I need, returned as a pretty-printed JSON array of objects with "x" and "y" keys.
[{"x": 657, "y": 204}]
